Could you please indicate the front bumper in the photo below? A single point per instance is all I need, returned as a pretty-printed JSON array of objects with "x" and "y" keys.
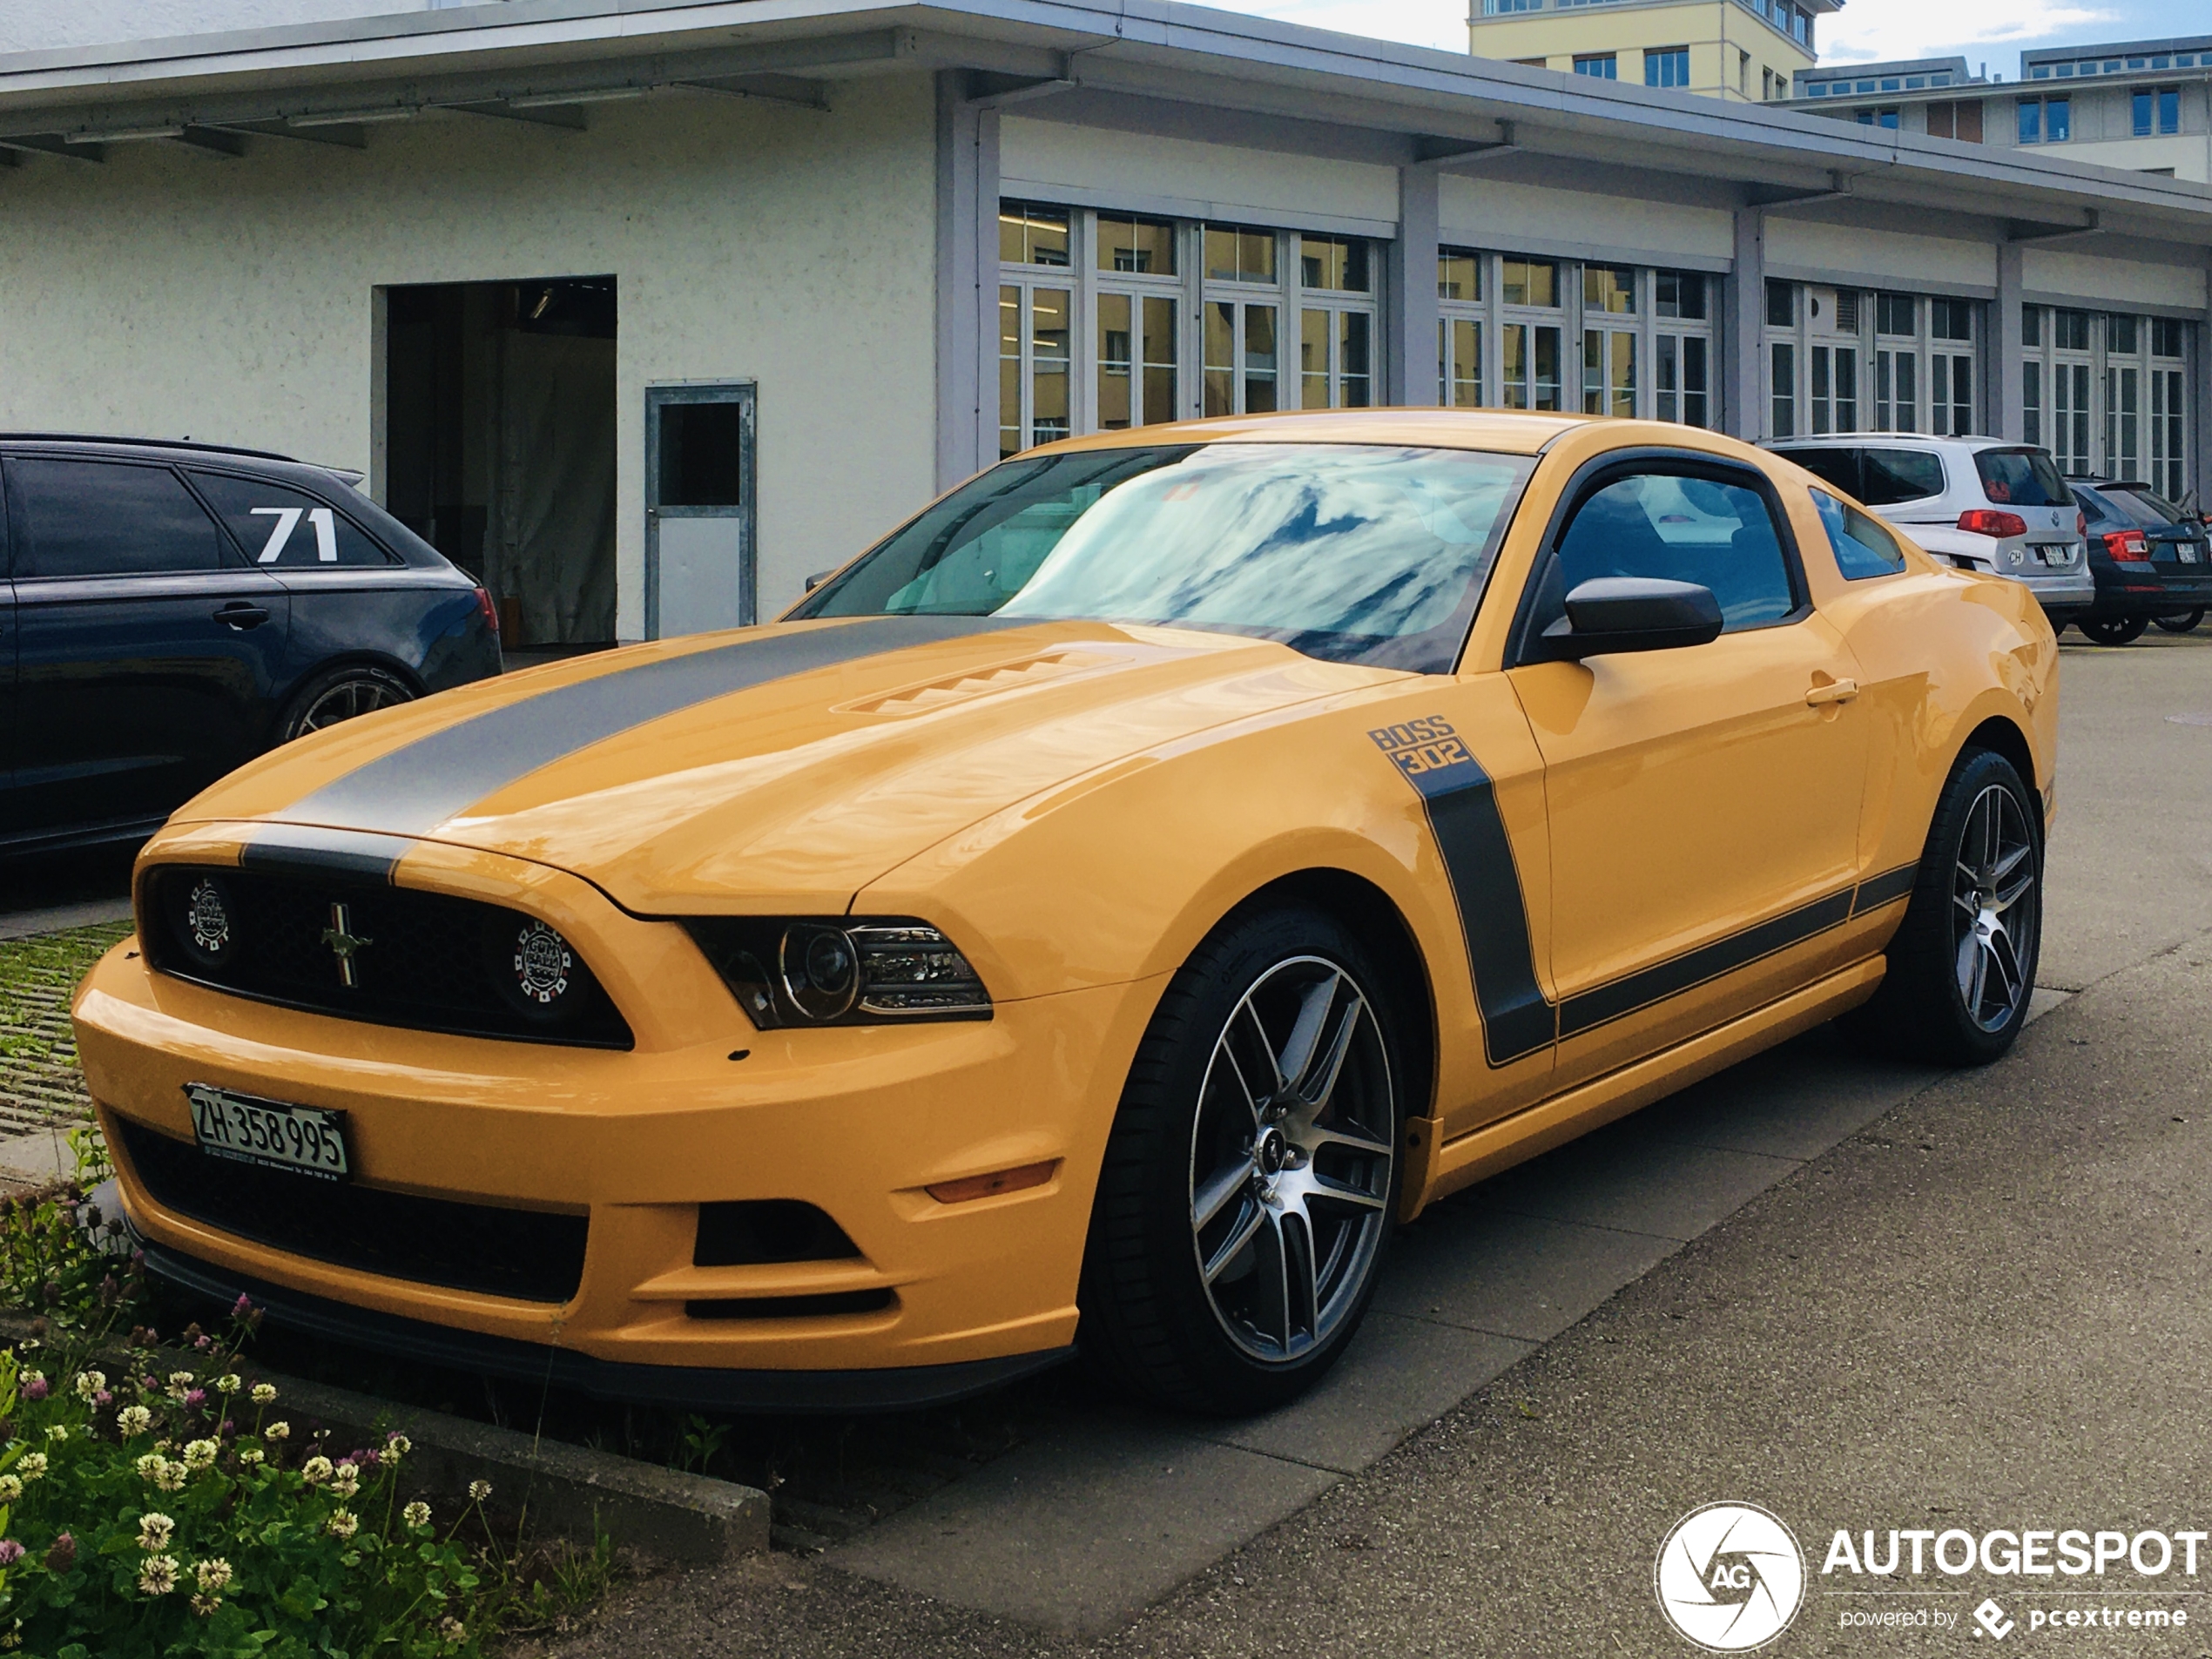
[{"x": 857, "y": 1121}]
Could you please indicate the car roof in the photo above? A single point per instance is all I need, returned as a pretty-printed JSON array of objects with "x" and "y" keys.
[
  {"x": 1509, "y": 432},
  {"x": 1910, "y": 439},
  {"x": 109, "y": 438}
]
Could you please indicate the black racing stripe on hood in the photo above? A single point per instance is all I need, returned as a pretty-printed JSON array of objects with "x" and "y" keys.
[
  {"x": 412, "y": 790},
  {"x": 306, "y": 849}
]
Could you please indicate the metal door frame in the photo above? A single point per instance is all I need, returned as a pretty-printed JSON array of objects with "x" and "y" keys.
[{"x": 745, "y": 394}]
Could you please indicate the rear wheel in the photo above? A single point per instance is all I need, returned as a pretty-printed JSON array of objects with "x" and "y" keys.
[
  {"x": 2114, "y": 631},
  {"x": 1962, "y": 965},
  {"x": 2180, "y": 622},
  {"x": 1252, "y": 1180},
  {"x": 339, "y": 694}
]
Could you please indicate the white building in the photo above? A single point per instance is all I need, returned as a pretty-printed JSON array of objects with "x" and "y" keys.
[{"x": 648, "y": 310}]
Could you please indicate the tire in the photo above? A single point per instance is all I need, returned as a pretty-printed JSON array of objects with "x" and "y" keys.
[
  {"x": 2180, "y": 622},
  {"x": 2114, "y": 630},
  {"x": 1242, "y": 1217},
  {"x": 1978, "y": 901},
  {"x": 339, "y": 694}
]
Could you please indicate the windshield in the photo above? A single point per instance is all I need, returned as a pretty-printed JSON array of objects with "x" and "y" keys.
[
  {"x": 1356, "y": 553},
  {"x": 2022, "y": 478}
]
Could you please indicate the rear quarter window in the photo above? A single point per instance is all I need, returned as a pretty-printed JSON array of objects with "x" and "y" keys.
[
  {"x": 285, "y": 528},
  {"x": 1894, "y": 475},
  {"x": 1863, "y": 544},
  {"x": 2022, "y": 478}
]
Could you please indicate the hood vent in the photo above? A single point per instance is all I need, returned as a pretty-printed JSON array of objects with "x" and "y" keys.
[{"x": 981, "y": 682}]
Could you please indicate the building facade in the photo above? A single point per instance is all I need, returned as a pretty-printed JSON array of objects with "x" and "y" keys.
[
  {"x": 1750, "y": 51},
  {"x": 647, "y": 316}
]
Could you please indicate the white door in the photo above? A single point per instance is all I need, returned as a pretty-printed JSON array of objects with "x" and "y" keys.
[{"x": 700, "y": 565}]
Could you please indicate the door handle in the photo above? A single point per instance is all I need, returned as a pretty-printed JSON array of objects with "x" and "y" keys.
[
  {"x": 1833, "y": 692},
  {"x": 241, "y": 616}
]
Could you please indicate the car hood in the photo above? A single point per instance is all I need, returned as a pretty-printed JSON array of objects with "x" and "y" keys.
[{"x": 783, "y": 767}]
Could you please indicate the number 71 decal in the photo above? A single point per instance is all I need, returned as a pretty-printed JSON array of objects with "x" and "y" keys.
[{"x": 288, "y": 520}]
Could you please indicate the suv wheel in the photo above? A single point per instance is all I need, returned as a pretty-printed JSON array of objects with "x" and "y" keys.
[
  {"x": 339, "y": 694},
  {"x": 2112, "y": 630},
  {"x": 2180, "y": 622},
  {"x": 1252, "y": 1179}
]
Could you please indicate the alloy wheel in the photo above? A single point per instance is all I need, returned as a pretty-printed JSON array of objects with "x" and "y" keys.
[
  {"x": 1993, "y": 908},
  {"x": 355, "y": 694},
  {"x": 1291, "y": 1159}
]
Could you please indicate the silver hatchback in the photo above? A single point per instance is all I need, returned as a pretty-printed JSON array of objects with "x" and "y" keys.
[{"x": 1980, "y": 503}]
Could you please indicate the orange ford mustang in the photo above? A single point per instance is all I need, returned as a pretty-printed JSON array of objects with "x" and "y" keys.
[{"x": 1098, "y": 914}]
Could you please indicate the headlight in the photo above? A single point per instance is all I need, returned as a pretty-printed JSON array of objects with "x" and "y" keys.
[{"x": 841, "y": 970}]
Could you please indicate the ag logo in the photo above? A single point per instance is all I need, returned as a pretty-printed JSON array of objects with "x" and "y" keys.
[{"x": 1729, "y": 1577}]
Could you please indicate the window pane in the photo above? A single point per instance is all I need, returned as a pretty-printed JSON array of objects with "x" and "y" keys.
[
  {"x": 1049, "y": 351},
  {"x": 1117, "y": 362},
  {"x": 1144, "y": 246},
  {"x": 1696, "y": 410},
  {"x": 102, "y": 518},
  {"x": 2140, "y": 110},
  {"x": 1009, "y": 371},
  {"x": 1896, "y": 313},
  {"x": 1781, "y": 305},
  {"x": 1907, "y": 412},
  {"x": 1863, "y": 547},
  {"x": 1221, "y": 358},
  {"x": 2070, "y": 330},
  {"x": 2031, "y": 325},
  {"x": 1785, "y": 391},
  {"x": 1333, "y": 263},
  {"x": 1162, "y": 359},
  {"x": 2170, "y": 109},
  {"x": 1259, "y": 359},
  {"x": 2120, "y": 334},
  {"x": 1531, "y": 282},
  {"x": 2031, "y": 120},
  {"x": 1720, "y": 536},
  {"x": 2058, "y": 119},
  {"x": 1514, "y": 358},
  {"x": 2032, "y": 402},
  {"x": 1547, "y": 387},
  {"x": 1354, "y": 372},
  {"x": 1030, "y": 234},
  {"x": 1680, "y": 294},
  {"x": 1607, "y": 288},
  {"x": 289, "y": 527},
  {"x": 1313, "y": 359},
  {"x": 1846, "y": 389},
  {"x": 1235, "y": 254},
  {"x": 1459, "y": 276},
  {"x": 1466, "y": 363}
]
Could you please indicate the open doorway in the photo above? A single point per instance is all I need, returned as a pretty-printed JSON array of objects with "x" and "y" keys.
[{"x": 499, "y": 410}]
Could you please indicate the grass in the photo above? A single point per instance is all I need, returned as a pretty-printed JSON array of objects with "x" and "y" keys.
[{"x": 39, "y": 1081}]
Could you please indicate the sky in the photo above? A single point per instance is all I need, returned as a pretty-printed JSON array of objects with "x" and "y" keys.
[{"x": 1992, "y": 32}]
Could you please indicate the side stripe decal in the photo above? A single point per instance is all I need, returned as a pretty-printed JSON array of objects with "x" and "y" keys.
[
  {"x": 412, "y": 790},
  {"x": 1460, "y": 803}
]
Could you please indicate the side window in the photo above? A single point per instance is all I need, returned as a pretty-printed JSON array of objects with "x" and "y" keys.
[
  {"x": 1838, "y": 466},
  {"x": 284, "y": 527},
  {"x": 84, "y": 518},
  {"x": 1686, "y": 528},
  {"x": 1894, "y": 475},
  {"x": 1863, "y": 547}
]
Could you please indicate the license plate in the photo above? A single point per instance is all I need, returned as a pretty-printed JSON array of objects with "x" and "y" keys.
[
  {"x": 2055, "y": 552},
  {"x": 2188, "y": 554},
  {"x": 304, "y": 1139}
]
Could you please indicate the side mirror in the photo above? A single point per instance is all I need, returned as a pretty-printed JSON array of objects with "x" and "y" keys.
[
  {"x": 818, "y": 578},
  {"x": 1621, "y": 613}
]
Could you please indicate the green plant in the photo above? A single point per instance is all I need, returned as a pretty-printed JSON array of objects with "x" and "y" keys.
[
  {"x": 58, "y": 1261},
  {"x": 698, "y": 1443}
]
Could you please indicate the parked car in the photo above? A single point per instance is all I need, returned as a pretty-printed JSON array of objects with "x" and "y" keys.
[
  {"x": 173, "y": 609},
  {"x": 2152, "y": 562},
  {"x": 1103, "y": 911},
  {"x": 1979, "y": 502}
]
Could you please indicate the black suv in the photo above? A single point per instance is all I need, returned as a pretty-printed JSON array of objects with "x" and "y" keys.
[
  {"x": 173, "y": 609},
  {"x": 2152, "y": 561}
]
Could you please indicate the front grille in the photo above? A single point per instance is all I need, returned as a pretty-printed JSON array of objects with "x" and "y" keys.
[
  {"x": 525, "y": 1254},
  {"x": 363, "y": 949}
]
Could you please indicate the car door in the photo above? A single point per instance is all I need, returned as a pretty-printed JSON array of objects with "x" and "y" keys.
[
  {"x": 1703, "y": 802},
  {"x": 147, "y": 648}
]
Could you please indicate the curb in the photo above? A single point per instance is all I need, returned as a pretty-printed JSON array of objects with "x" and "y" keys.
[{"x": 569, "y": 1490}]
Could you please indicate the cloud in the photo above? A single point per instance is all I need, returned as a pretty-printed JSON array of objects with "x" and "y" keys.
[{"x": 1872, "y": 30}]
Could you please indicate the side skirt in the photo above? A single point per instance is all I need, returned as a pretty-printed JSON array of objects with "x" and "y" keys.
[{"x": 1483, "y": 1152}]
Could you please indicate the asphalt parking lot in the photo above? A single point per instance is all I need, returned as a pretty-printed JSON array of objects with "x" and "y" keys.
[{"x": 1861, "y": 1296}]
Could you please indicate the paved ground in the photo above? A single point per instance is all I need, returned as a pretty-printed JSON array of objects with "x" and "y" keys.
[{"x": 1864, "y": 1297}]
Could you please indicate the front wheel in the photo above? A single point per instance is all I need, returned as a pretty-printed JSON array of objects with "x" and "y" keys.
[
  {"x": 2182, "y": 621},
  {"x": 1962, "y": 965},
  {"x": 2114, "y": 631},
  {"x": 1252, "y": 1180}
]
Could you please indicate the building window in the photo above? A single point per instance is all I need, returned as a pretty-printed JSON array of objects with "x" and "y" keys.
[
  {"x": 1960, "y": 120},
  {"x": 2031, "y": 120},
  {"x": 1892, "y": 366},
  {"x": 1531, "y": 282},
  {"x": 1033, "y": 235},
  {"x": 1784, "y": 381},
  {"x": 1506, "y": 7},
  {"x": 1136, "y": 246},
  {"x": 1609, "y": 351},
  {"x": 1886, "y": 116},
  {"x": 2158, "y": 110},
  {"x": 2107, "y": 394},
  {"x": 1336, "y": 341},
  {"x": 1667, "y": 66},
  {"x": 1035, "y": 405},
  {"x": 1601, "y": 66},
  {"x": 1459, "y": 328},
  {"x": 2058, "y": 119},
  {"x": 2170, "y": 109},
  {"x": 1781, "y": 305},
  {"x": 2032, "y": 401}
]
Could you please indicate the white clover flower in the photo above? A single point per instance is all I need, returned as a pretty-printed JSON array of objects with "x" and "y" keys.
[
  {"x": 201, "y": 1454},
  {"x": 212, "y": 1574},
  {"x": 89, "y": 1383},
  {"x": 479, "y": 1490},
  {"x": 316, "y": 1470},
  {"x": 264, "y": 1394},
  {"x": 397, "y": 1445},
  {"x": 250, "y": 1454},
  {"x": 31, "y": 1466},
  {"x": 417, "y": 1514},
  {"x": 277, "y": 1432},
  {"x": 342, "y": 1524},
  {"x": 205, "y": 1605},
  {"x": 155, "y": 1530},
  {"x": 172, "y": 1478},
  {"x": 56, "y": 1431},
  {"x": 149, "y": 1465},
  {"x": 11, "y": 1488},
  {"x": 228, "y": 1383},
  {"x": 159, "y": 1575},
  {"x": 452, "y": 1630},
  {"x": 345, "y": 1481},
  {"x": 32, "y": 1380},
  {"x": 134, "y": 1421},
  {"x": 179, "y": 1384}
]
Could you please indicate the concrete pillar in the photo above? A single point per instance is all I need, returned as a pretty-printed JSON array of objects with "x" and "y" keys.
[
  {"x": 1744, "y": 407},
  {"x": 967, "y": 261},
  {"x": 1409, "y": 374},
  {"x": 2005, "y": 419},
  {"x": 2201, "y": 450}
]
